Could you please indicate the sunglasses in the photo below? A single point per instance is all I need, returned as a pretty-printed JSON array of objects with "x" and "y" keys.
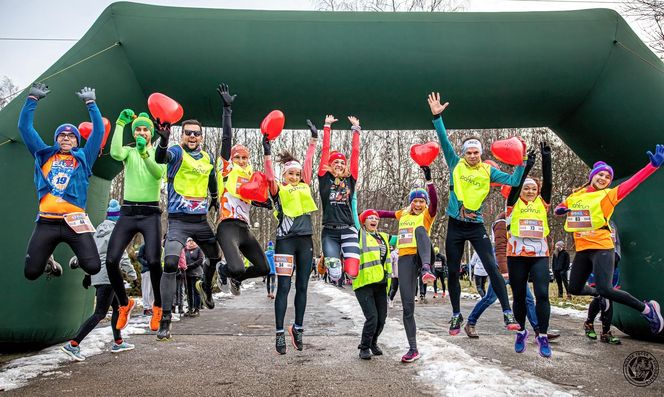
[{"x": 194, "y": 133}]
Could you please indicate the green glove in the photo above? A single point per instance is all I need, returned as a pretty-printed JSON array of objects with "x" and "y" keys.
[
  {"x": 141, "y": 144},
  {"x": 126, "y": 116}
]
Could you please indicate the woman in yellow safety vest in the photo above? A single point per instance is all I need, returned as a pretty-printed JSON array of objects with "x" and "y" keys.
[
  {"x": 295, "y": 248},
  {"x": 415, "y": 252},
  {"x": 528, "y": 250},
  {"x": 588, "y": 211},
  {"x": 372, "y": 282}
]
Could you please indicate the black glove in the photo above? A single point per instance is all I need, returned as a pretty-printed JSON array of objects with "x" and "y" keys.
[
  {"x": 266, "y": 204},
  {"x": 163, "y": 130},
  {"x": 267, "y": 146},
  {"x": 427, "y": 172},
  {"x": 226, "y": 97},
  {"x": 545, "y": 149},
  {"x": 87, "y": 94},
  {"x": 87, "y": 281},
  {"x": 314, "y": 130},
  {"x": 38, "y": 90},
  {"x": 532, "y": 156},
  {"x": 214, "y": 204}
]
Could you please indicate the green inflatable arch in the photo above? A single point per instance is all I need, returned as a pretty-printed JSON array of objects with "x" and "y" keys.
[{"x": 585, "y": 74}]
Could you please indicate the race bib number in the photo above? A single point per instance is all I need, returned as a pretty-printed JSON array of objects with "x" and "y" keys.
[
  {"x": 579, "y": 219},
  {"x": 438, "y": 264},
  {"x": 531, "y": 228},
  {"x": 405, "y": 236},
  {"x": 283, "y": 264},
  {"x": 79, "y": 222}
]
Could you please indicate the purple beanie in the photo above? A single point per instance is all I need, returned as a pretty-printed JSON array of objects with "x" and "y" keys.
[{"x": 599, "y": 167}]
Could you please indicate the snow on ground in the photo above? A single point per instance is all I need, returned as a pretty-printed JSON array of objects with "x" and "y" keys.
[
  {"x": 447, "y": 367},
  {"x": 17, "y": 373}
]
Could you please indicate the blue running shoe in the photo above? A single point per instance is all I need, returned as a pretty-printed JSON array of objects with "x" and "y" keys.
[
  {"x": 654, "y": 317},
  {"x": 543, "y": 344},
  {"x": 521, "y": 341},
  {"x": 73, "y": 351},
  {"x": 122, "y": 347}
]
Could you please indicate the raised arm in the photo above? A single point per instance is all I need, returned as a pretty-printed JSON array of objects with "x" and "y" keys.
[
  {"x": 516, "y": 191},
  {"x": 431, "y": 190},
  {"x": 307, "y": 169},
  {"x": 355, "y": 147},
  {"x": 119, "y": 152},
  {"x": 629, "y": 185},
  {"x": 161, "y": 154},
  {"x": 387, "y": 214},
  {"x": 325, "y": 153},
  {"x": 437, "y": 110},
  {"x": 26, "y": 128},
  {"x": 226, "y": 121},
  {"x": 507, "y": 179},
  {"x": 547, "y": 174},
  {"x": 93, "y": 145},
  {"x": 269, "y": 171}
]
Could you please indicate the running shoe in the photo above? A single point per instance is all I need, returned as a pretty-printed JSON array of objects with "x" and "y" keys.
[
  {"x": 609, "y": 338},
  {"x": 365, "y": 354},
  {"x": 543, "y": 344},
  {"x": 296, "y": 337},
  {"x": 654, "y": 317},
  {"x": 195, "y": 313},
  {"x": 156, "y": 318},
  {"x": 470, "y": 331},
  {"x": 73, "y": 351},
  {"x": 125, "y": 314},
  {"x": 411, "y": 356},
  {"x": 521, "y": 341},
  {"x": 234, "y": 286},
  {"x": 589, "y": 328},
  {"x": 435, "y": 295},
  {"x": 164, "y": 332},
  {"x": 428, "y": 278},
  {"x": 375, "y": 350},
  {"x": 455, "y": 324},
  {"x": 73, "y": 263},
  {"x": 510, "y": 322},
  {"x": 280, "y": 343},
  {"x": 206, "y": 296},
  {"x": 53, "y": 269},
  {"x": 122, "y": 347}
]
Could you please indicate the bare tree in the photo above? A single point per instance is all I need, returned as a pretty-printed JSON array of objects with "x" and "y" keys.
[
  {"x": 650, "y": 15},
  {"x": 7, "y": 90},
  {"x": 392, "y": 5}
]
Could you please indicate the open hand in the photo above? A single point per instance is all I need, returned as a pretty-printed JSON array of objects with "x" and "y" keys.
[{"x": 435, "y": 105}]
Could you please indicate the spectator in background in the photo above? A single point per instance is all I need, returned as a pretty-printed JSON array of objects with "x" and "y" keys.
[
  {"x": 479, "y": 274},
  {"x": 146, "y": 286},
  {"x": 271, "y": 282},
  {"x": 178, "y": 302},
  {"x": 194, "y": 258},
  {"x": 560, "y": 266}
]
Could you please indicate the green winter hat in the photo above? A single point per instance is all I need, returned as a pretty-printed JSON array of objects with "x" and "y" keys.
[{"x": 143, "y": 119}]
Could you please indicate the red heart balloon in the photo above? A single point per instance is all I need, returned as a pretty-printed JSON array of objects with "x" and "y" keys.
[
  {"x": 107, "y": 129},
  {"x": 273, "y": 124},
  {"x": 255, "y": 189},
  {"x": 164, "y": 108},
  {"x": 85, "y": 128},
  {"x": 505, "y": 190},
  {"x": 509, "y": 151},
  {"x": 424, "y": 154}
]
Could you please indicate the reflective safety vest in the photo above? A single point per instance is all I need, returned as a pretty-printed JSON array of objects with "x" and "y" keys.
[
  {"x": 237, "y": 177},
  {"x": 471, "y": 184},
  {"x": 408, "y": 223},
  {"x": 372, "y": 269},
  {"x": 529, "y": 220},
  {"x": 191, "y": 180},
  {"x": 296, "y": 200},
  {"x": 586, "y": 211}
]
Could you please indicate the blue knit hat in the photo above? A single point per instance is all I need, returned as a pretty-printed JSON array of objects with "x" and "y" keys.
[
  {"x": 113, "y": 211},
  {"x": 270, "y": 245},
  {"x": 418, "y": 193},
  {"x": 69, "y": 128}
]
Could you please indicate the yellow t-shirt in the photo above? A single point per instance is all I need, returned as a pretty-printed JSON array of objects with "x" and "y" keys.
[{"x": 428, "y": 221}]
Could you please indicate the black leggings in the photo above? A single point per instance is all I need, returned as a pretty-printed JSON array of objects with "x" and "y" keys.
[
  {"x": 409, "y": 269},
  {"x": 105, "y": 298},
  {"x": 394, "y": 288},
  {"x": 47, "y": 234},
  {"x": 236, "y": 241},
  {"x": 193, "y": 300},
  {"x": 270, "y": 283},
  {"x": 561, "y": 280},
  {"x": 302, "y": 249},
  {"x": 458, "y": 232},
  {"x": 373, "y": 301},
  {"x": 519, "y": 268},
  {"x": 439, "y": 276},
  {"x": 605, "y": 317},
  {"x": 480, "y": 282},
  {"x": 125, "y": 230},
  {"x": 599, "y": 262}
]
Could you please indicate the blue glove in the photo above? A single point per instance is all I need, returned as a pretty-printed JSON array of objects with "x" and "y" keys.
[{"x": 658, "y": 158}]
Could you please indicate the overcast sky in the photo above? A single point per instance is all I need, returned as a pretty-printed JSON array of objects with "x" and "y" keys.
[{"x": 24, "y": 60}]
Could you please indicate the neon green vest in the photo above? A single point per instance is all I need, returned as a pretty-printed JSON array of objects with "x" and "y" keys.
[
  {"x": 586, "y": 211},
  {"x": 529, "y": 220},
  {"x": 407, "y": 225},
  {"x": 296, "y": 200},
  {"x": 191, "y": 180},
  {"x": 471, "y": 184},
  {"x": 372, "y": 269},
  {"x": 236, "y": 178}
]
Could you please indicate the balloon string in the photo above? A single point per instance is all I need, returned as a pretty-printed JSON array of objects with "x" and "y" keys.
[
  {"x": 638, "y": 56},
  {"x": 117, "y": 43}
]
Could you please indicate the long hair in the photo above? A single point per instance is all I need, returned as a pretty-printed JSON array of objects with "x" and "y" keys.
[{"x": 285, "y": 157}]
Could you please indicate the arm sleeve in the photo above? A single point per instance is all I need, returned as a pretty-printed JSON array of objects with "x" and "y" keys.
[
  {"x": 212, "y": 182},
  {"x": 387, "y": 214},
  {"x": 355, "y": 153},
  {"x": 507, "y": 179},
  {"x": 629, "y": 185},
  {"x": 26, "y": 128},
  {"x": 227, "y": 133},
  {"x": 307, "y": 170},
  {"x": 156, "y": 170},
  {"x": 448, "y": 151},
  {"x": 433, "y": 199},
  {"x": 515, "y": 191},
  {"x": 269, "y": 173},
  {"x": 547, "y": 178},
  {"x": 93, "y": 145},
  {"x": 325, "y": 153},
  {"x": 118, "y": 152},
  {"x": 162, "y": 155}
]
